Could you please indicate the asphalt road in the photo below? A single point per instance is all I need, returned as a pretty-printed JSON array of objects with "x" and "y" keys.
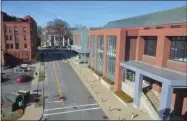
[{"x": 78, "y": 102}]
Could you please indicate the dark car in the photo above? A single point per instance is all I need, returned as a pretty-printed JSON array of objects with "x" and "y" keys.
[{"x": 23, "y": 78}]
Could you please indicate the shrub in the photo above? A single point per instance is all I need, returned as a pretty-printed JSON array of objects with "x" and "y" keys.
[
  {"x": 99, "y": 74},
  {"x": 41, "y": 76},
  {"x": 108, "y": 80},
  {"x": 122, "y": 95},
  {"x": 90, "y": 67},
  {"x": 39, "y": 103}
]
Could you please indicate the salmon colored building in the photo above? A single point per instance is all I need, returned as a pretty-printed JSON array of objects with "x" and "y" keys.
[
  {"x": 19, "y": 39},
  {"x": 145, "y": 57}
]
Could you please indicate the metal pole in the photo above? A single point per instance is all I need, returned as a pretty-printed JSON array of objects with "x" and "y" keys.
[{"x": 85, "y": 57}]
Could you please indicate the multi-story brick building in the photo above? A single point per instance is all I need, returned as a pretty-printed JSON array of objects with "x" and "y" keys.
[
  {"x": 18, "y": 39},
  {"x": 146, "y": 57}
]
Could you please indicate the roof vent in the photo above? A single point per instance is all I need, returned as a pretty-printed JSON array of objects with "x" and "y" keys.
[
  {"x": 146, "y": 28},
  {"x": 159, "y": 27}
]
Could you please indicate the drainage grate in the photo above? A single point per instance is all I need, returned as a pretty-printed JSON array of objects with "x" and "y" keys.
[{"x": 105, "y": 117}]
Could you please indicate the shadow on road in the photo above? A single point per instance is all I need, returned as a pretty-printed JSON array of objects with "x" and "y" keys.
[{"x": 56, "y": 55}]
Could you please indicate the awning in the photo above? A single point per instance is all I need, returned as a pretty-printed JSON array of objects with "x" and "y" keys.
[{"x": 174, "y": 78}]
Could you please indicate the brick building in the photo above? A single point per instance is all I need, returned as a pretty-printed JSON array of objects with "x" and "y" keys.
[
  {"x": 146, "y": 57},
  {"x": 19, "y": 39}
]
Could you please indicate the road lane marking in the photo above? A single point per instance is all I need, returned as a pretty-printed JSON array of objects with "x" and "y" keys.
[
  {"x": 58, "y": 84},
  {"x": 71, "y": 107},
  {"x": 54, "y": 101},
  {"x": 72, "y": 111}
]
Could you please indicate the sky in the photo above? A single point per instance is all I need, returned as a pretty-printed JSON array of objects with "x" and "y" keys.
[{"x": 90, "y": 13}]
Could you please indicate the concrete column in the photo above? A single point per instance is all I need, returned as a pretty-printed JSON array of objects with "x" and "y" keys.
[
  {"x": 63, "y": 41},
  {"x": 138, "y": 88},
  {"x": 68, "y": 42},
  {"x": 120, "y": 55},
  {"x": 104, "y": 55},
  {"x": 95, "y": 53},
  {"x": 165, "y": 100},
  {"x": 139, "y": 48},
  {"x": 162, "y": 50}
]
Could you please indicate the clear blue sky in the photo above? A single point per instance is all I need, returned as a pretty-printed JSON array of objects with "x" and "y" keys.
[{"x": 93, "y": 13}]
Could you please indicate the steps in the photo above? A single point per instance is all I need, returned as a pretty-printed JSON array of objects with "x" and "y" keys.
[{"x": 154, "y": 100}]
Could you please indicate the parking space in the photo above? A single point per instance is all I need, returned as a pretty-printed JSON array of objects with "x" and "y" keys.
[{"x": 9, "y": 84}]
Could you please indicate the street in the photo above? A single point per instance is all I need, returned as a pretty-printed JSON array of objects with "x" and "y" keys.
[{"x": 66, "y": 98}]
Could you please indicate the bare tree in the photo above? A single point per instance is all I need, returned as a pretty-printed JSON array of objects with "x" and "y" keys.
[
  {"x": 40, "y": 31},
  {"x": 59, "y": 28}
]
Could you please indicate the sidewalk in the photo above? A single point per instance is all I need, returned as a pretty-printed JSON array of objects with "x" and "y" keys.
[
  {"x": 32, "y": 112},
  {"x": 111, "y": 105}
]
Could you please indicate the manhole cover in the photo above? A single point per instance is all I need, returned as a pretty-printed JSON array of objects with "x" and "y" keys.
[{"x": 105, "y": 117}]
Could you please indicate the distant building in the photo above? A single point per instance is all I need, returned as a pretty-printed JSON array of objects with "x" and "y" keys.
[
  {"x": 80, "y": 43},
  {"x": 19, "y": 39}
]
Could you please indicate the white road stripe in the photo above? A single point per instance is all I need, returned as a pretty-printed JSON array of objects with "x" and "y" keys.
[
  {"x": 72, "y": 111},
  {"x": 70, "y": 107},
  {"x": 54, "y": 102}
]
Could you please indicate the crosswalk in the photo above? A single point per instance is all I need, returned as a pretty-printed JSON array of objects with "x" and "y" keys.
[{"x": 69, "y": 109}]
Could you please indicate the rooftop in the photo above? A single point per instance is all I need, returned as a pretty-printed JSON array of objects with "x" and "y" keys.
[
  {"x": 171, "y": 16},
  {"x": 10, "y": 18}
]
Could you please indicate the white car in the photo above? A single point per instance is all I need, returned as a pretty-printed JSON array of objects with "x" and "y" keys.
[{"x": 26, "y": 66}]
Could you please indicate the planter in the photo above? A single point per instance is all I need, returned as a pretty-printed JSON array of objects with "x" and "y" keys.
[
  {"x": 108, "y": 86},
  {"x": 96, "y": 76}
]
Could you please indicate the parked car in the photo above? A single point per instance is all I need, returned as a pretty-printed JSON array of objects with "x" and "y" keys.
[
  {"x": 26, "y": 66},
  {"x": 20, "y": 69},
  {"x": 23, "y": 78}
]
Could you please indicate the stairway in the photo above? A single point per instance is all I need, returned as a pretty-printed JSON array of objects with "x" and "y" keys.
[{"x": 153, "y": 99}]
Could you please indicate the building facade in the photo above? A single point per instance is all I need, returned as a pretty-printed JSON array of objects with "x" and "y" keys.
[
  {"x": 146, "y": 57},
  {"x": 80, "y": 43},
  {"x": 19, "y": 39}
]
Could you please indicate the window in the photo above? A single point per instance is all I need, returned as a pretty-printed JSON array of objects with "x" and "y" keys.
[
  {"x": 159, "y": 27},
  {"x": 111, "y": 65},
  {"x": 11, "y": 46},
  {"x": 24, "y": 29},
  {"x": 6, "y": 37},
  {"x": 175, "y": 26},
  {"x": 17, "y": 45},
  {"x": 16, "y": 38},
  {"x": 111, "y": 44},
  {"x": 10, "y": 37},
  {"x": 129, "y": 75},
  {"x": 10, "y": 29},
  {"x": 7, "y": 46},
  {"x": 100, "y": 39},
  {"x": 25, "y": 37},
  {"x": 178, "y": 48},
  {"x": 16, "y": 29},
  {"x": 7, "y": 29},
  {"x": 150, "y": 44},
  {"x": 25, "y": 45}
]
